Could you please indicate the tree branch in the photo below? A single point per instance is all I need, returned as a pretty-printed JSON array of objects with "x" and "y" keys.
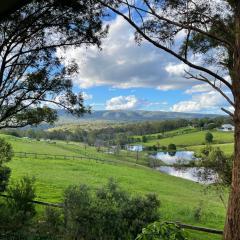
[{"x": 166, "y": 49}]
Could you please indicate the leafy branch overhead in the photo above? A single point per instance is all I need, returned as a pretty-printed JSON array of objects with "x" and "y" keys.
[
  {"x": 198, "y": 33},
  {"x": 31, "y": 74}
]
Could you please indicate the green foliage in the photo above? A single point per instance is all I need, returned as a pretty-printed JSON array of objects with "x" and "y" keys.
[
  {"x": 26, "y": 46},
  {"x": 144, "y": 139},
  {"x": 17, "y": 211},
  {"x": 20, "y": 196},
  {"x": 162, "y": 231},
  {"x": 172, "y": 147},
  {"x": 52, "y": 226},
  {"x": 209, "y": 137},
  {"x": 6, "y": 154},
  {"x": 108, "y": 214},
  {"x": 215, "y": 161},
  {"x": 5, "y": 173}
]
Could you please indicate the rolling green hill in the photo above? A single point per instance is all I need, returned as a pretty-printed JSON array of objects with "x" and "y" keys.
[
  {"x": 180, "y": 198},
  {"x": 193, "y": 138}
]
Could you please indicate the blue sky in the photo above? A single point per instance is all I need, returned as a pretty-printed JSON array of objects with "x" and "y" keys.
[{"x": 126, "y": 76}]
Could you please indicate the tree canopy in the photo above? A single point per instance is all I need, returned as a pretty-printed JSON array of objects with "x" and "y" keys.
[{"x": 31, "y": 75}]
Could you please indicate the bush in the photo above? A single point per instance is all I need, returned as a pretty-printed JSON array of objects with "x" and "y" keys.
[
  {"x": 144, "y": 139},
  {"x": 17, "y": 211},
  {"x": 163, "y": 231},
  {"x": 5, "y": 173},
  {"x": 172, "y": 147},
  {"x": 52, "y": 226},
  {"x": 164, "y": 148},
  {"x": 215, "y": 162},
  {"x": 209, "y": 137},
  {"x": 108, "y": 214},
  {"x": 6, "y": 154}
]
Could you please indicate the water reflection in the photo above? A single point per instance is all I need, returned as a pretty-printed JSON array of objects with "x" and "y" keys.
[
  {"x": 135, "y": 148},
  {"x": 174, "y": 157},
  {"x": 192, "y": 174}
]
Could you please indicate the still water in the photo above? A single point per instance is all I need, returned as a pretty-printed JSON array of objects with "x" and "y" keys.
[
  {"x": 192, "y": 174},
  {"x": 174, "y": 157}
]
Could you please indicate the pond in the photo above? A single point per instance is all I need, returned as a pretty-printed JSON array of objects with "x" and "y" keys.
[
  {"x": 191, "y": 173},
  {"x": 174, "y": 157},
  {"x": 135, "y": 148}
]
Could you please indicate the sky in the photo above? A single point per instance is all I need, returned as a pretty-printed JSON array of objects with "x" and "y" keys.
[{"x": 126, "y": 76}]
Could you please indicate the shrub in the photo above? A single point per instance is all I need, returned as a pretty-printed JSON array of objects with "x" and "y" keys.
[
  {"x": 6, "y": 154},
  {"x": 144, "y": 139},
  {"x": 109, "y": 213},
  {"x": 216, "y": 163},
  {"x": 164, "y": 148},
  {"x": 17, "y": 211},
  {"x": 209, "y": 137},
  {"x": 52, "y": 226},
  {"x": 163, "y": 231},
  {"x": 172, "y": 147}
]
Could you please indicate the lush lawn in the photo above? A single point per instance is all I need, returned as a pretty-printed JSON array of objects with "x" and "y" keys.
[
  {"x": 179, "y": 198},
  {"x": 227, "y": 148},
  {"x": 193, "y": 138}
]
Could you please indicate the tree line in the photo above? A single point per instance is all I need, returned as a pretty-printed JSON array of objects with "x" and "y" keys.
[{"x": 119, "y": 134}]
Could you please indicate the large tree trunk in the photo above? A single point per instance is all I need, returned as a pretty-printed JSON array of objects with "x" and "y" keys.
[{"x": 232, "y": 225}]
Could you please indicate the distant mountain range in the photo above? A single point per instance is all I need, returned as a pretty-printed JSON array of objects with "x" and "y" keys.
[{"x": 134, "y": 115}]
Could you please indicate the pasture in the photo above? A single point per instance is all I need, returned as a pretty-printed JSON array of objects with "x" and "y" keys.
[{"x": 180, "y": 199}]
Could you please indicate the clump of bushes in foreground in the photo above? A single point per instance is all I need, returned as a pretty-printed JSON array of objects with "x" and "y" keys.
[{"x": 107, "y": 213}]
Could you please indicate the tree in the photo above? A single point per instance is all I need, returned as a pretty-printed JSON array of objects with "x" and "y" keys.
[
  {"x": 172, "y": 147},
  {"x": 31, "y": 75},
  {"x": 211, "y": 30},
  {"x": 209, "y": 137},
  {"x": 144, "y": 139},
  {"x": 5, "y": 156}
]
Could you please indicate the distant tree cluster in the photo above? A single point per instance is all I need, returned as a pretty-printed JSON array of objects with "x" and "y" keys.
[{"x": 121, "y": 134}]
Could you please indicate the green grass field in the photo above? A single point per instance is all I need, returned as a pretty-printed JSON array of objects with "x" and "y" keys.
[
  {"x": 193, "y": 138},
  {"x": 179, "y": 198}
]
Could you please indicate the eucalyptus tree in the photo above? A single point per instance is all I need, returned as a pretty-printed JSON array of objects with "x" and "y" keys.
[
  {"x": 32, "y": 78},
  {"x": 210, "y": 30}
]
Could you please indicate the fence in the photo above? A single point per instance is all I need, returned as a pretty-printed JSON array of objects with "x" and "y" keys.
[
  {"x": 59, "y": 156},
  {"x": 72, "y": 157},
  {"x": 181, "y": 225}
]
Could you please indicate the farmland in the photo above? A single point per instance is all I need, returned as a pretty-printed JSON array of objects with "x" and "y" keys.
[
  {"x": 192, "y": 139},
  {"x": 180, "y": 198}
]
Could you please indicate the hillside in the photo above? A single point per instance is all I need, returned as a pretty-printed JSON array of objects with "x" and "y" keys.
[
  {"x": 191, "y": 139},
  {"x": 134, "y": 115},
  {"x": 54, "y": 174}
]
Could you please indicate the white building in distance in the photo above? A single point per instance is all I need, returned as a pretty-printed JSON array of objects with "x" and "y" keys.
[{"x": 226, "y": 128}]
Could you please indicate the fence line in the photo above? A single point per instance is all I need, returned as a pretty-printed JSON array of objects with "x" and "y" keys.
[
  {"x": 181, "y": 225},
  {"x": 58, "y": 205},
  {"x": 59, "y": 156},
  {"x": 197, "y": 228}
]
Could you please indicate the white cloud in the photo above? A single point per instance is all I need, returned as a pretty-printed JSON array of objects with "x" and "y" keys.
[
  {"x": 123, "y": 64},
  {"x": 176, "y": 69},
  {"x": 207, "y": 101},
  {"x": 199, "y": 88},
  {"x": 122, "y": 103},
  {"x": 87, "y": 96}
]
